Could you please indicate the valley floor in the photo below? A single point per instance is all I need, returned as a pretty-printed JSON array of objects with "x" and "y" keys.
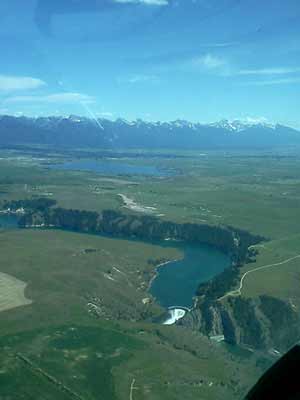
[{"x": 84, "y": 325}]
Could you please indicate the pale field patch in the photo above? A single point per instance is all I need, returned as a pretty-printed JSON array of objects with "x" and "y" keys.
[{"x": 12, "y": 292}]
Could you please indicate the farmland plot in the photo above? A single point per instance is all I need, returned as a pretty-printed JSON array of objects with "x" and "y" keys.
[{"x": 12, "y": 292}]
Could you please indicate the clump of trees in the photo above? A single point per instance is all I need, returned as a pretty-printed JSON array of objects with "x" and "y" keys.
[
  {"x": 220, "y": 284},
  {"x": 142, "y": 227},
  {"x": 34, "y": 205}
]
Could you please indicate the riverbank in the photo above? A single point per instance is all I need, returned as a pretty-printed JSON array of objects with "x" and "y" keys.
[{"x": 156, "y": 271}]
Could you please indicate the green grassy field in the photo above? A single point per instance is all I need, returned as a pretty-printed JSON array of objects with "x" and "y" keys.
[
  {"x": 101, "y": 362},
  {"x": 279, "y": 280},
  {"x": 85, "y": 325},
  {"x": 65, "y": 271},
  {"x": 258, "y": 193},
  {"x": 97, "y": 356}
]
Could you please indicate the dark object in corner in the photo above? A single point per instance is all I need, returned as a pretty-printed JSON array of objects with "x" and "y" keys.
[{"x": 281, "y": 381}]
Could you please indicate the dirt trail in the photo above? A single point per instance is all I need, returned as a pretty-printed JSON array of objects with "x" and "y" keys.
[
  {"x": 238, "y": 291},
  {"x": 132, "y": 388}
]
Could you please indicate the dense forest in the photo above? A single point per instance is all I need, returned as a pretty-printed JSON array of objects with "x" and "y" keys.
[{"x": 234, "y": 242}]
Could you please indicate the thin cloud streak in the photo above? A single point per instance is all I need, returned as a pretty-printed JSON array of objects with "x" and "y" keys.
[
  {"x": 138, "y": 78},
  {"x": 283, "y": 81},
  {"x": 70, "y": 97},
  {"x": 208, "y": 61},
  {"x": 269, "y": 71},
  {"x": 144, "y": 2},
  {"x": 142, "y": 78},
  {"x": 9, "y": 83}
]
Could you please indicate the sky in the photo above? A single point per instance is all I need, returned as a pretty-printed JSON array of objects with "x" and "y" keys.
[{"x": 199, "y": 60}]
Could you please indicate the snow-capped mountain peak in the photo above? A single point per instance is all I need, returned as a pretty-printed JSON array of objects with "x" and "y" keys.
[
  {"x": 77, "y": 131},
  {"x": 237, "y": 125}
]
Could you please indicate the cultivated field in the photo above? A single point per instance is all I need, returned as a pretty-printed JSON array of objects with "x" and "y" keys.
[{"x": 12, "y": 292}]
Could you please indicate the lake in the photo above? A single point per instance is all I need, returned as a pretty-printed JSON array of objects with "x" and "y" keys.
[
  {"x": 177, "y": 281},
  {"x": 111, "y": 167}
]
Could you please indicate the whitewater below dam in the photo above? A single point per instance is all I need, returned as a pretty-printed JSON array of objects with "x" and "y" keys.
[{"x": 173, "y": 315}]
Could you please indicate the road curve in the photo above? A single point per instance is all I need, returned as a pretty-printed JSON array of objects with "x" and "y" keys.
[
  {"x": 132, "y": 387},
  {"x": 238, "y": 291}
]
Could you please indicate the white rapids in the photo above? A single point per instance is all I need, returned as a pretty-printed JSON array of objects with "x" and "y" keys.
[{"x": 174, "y": 315}]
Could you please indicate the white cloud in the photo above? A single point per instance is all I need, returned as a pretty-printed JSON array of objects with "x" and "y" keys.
[
  {"x": 15, "y": 83},
  {"x": 208, "y": 61},
  {"x": 105, "y": 114},
  {"x": 269, "y": 71},
  {"x": 68, "y": 97},
  {"x": 283, "y": 81},
  {"x": 142, "y": 78},
  {"x": 255, "y": 120},
  {"x": 146, "y": 2},
  {"x": 138, "y": 78}
]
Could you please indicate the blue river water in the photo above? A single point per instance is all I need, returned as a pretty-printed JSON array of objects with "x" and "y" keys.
[{"x": 177, "y": 281}]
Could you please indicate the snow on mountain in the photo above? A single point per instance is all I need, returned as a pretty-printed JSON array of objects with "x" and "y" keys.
[
  {"x": 231, "y": 126},
  {"x": 77, "y": 131},
  {"x": 240, "y": 126}
]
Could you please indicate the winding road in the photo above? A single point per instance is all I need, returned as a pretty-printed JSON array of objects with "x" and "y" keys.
[
  {"x": 132, "y": 388},
  {"x": 238, "y": 291}
]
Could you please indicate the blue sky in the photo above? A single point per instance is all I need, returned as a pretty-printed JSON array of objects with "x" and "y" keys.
[{"x": 201, "y": 60}]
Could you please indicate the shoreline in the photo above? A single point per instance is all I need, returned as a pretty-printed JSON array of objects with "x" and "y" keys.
[{"x": 156, "y": 271}]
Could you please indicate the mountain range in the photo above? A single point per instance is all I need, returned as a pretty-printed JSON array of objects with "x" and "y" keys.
[{"x": 74, "y": 131}]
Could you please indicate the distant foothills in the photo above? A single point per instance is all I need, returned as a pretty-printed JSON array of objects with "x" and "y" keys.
[{"x": 75, "y": 131}]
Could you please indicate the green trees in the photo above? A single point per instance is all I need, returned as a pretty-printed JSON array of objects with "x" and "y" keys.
[
  {"x": 227, "y": 239},
  {"x": 40, "y": 204},
  {"x": 220, "y": 284}
]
